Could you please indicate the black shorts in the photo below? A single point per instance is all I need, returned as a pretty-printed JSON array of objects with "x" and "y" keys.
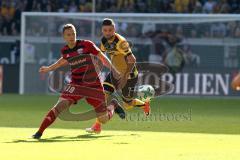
[{"x": 128, "y": 91}]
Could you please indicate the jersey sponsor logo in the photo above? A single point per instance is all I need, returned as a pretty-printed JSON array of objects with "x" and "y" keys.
[
  {"x": 80, "y": 50},
  {"x": 79, "y": 61}
]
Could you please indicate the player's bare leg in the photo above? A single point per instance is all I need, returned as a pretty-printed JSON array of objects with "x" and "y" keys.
[
  {"x": 97, "y": 126},
  {"x": 103, "y": 118},
  {"x": 51, "y": 116}
]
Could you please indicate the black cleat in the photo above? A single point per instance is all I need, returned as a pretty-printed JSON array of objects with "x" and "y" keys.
[{"x": 37, "y": 135}]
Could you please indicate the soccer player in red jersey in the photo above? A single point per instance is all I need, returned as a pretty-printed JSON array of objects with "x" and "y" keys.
[{"x": 85, "y": 81}]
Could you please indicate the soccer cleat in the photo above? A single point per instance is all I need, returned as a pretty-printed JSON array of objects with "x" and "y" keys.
[
  {"x": 37, "y": 135},
  {"x": 146, "y": 108},
  {"x": 96, "y": 128}
]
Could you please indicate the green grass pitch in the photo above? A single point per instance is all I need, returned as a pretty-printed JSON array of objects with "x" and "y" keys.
[{"x": 179, "y": 129}]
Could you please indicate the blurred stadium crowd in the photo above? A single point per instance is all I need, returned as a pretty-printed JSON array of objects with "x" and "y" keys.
[{"x": 11, "y": 13}]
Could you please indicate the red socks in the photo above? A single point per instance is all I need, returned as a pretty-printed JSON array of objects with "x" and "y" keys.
[{"x": 48, "y": 120}]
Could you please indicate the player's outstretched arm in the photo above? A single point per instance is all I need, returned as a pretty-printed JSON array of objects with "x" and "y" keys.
[
  {"x": 60, "y": 63},
  {"x": 124, "y": 48}
]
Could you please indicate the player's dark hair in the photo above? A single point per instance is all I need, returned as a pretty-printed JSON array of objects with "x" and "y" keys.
[
  {"x": 68, "y": 26},
  {"x": 108, "y": 22}
]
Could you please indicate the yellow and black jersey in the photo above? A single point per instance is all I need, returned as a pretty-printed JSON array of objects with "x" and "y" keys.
[{"x": 118, "y": 49}]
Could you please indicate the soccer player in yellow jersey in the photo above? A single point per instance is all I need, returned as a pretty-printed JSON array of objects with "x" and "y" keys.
[{"x": 124, "y": 61}]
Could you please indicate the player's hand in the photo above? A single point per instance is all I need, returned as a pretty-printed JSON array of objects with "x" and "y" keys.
[{"x": 44, "y": 69}]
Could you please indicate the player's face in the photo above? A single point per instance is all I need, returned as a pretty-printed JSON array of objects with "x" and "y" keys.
[
  {"x": 69, "y": 36},
  {"x": 108, "y": 31}
]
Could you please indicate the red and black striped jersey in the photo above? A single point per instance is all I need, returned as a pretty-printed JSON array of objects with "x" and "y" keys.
[{"x": 80, "y": 59}]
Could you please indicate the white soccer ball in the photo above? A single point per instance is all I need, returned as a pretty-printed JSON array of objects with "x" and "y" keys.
[{"x": 145, "y": 92}]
